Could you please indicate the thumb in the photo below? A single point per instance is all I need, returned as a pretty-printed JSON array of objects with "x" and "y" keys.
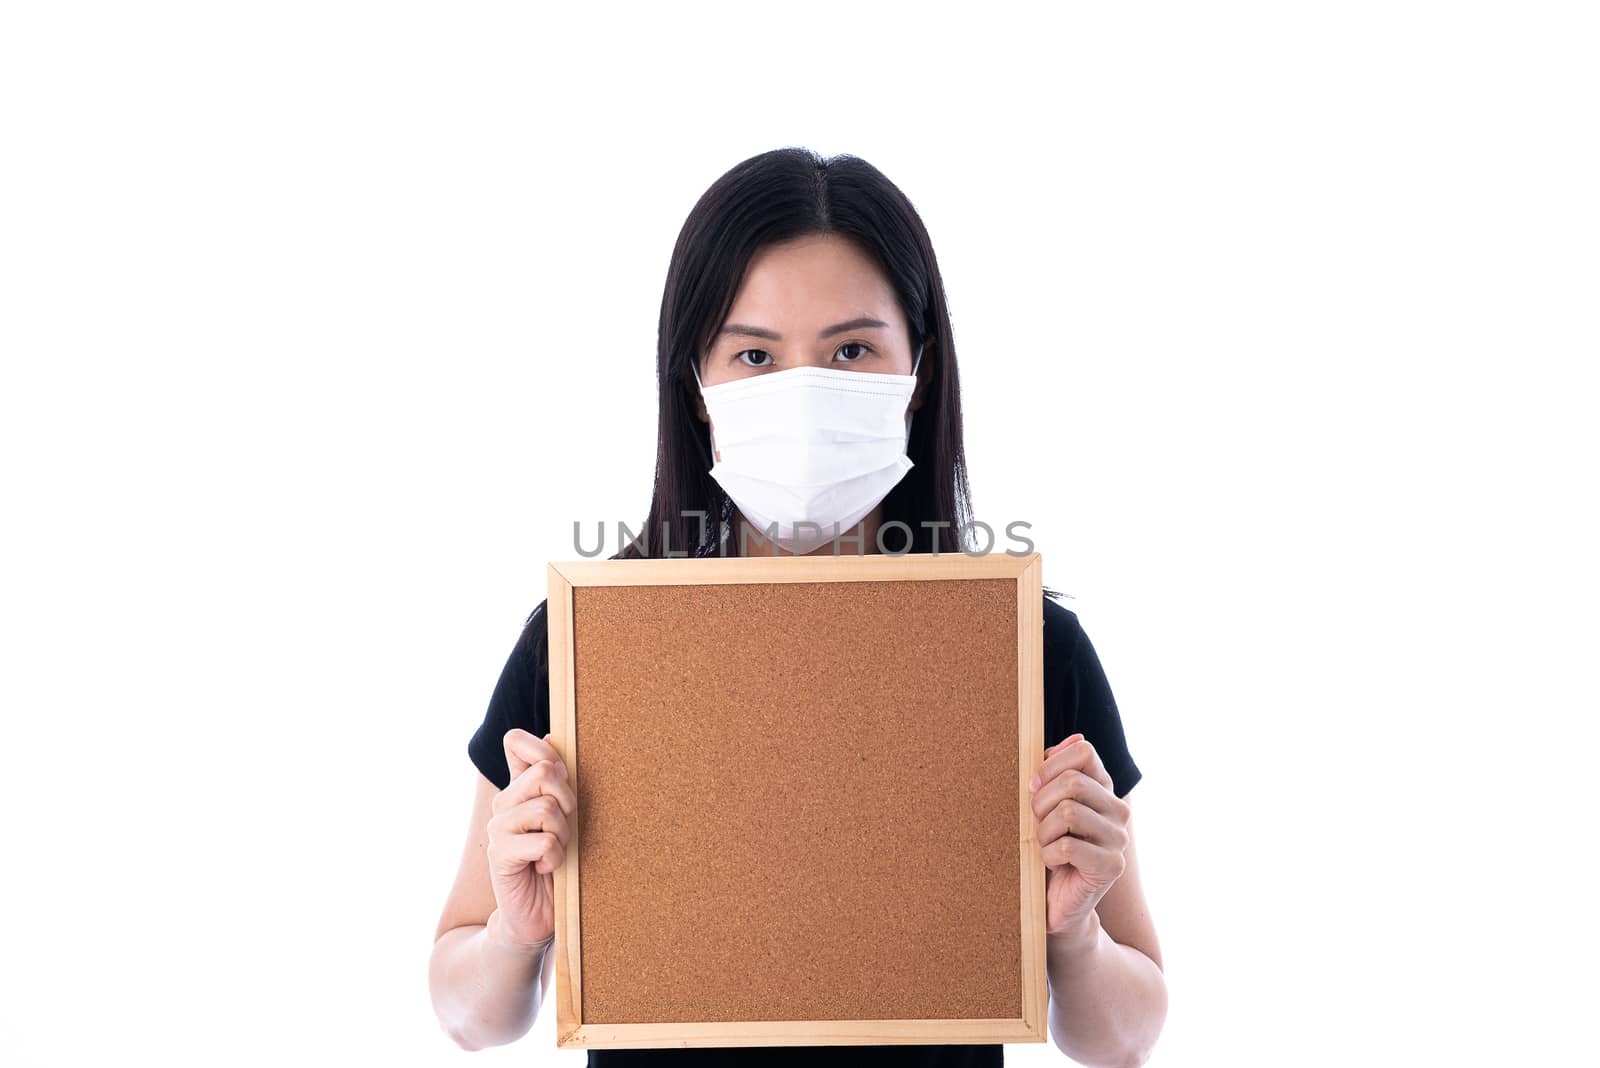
[{"x": 517, "y": 754}]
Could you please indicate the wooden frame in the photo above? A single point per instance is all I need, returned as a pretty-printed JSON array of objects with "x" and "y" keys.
[{"x": 1030, "y": 1024}]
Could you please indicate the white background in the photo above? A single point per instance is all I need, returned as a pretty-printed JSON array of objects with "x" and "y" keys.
[{"x": 321, "y": 322}]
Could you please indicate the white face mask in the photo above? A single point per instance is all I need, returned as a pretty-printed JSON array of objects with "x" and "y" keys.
[{"x": 810, "y": 450}]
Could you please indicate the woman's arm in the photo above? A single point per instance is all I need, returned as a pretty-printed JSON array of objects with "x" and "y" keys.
[
  {"x": 1108, "y": 996},
  {"x": 484, "y": 989},
  {"x": 488, "y": 974}
]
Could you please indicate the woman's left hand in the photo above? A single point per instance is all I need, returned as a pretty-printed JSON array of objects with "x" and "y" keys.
[{"x": 1083, "y": 831}]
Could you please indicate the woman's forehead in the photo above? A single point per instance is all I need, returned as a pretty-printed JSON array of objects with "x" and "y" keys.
[{"x": 812, "y": 281}]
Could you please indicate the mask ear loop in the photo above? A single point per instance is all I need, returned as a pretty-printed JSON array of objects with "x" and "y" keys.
[
  {"x": 915, "y": 360},
  {"x": 711, "y": 435},
  {"x": 724, "y": 521}
]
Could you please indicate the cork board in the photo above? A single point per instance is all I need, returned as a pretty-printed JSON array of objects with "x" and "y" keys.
[{"x": 803, "y": 812}]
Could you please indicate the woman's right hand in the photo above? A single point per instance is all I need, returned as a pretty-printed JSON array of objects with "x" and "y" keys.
[{"x": 528, "y": 839}]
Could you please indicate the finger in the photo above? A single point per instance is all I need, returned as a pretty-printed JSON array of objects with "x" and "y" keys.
[
  {"x": 513, "y": 852},
  {"x": 1098, "y": 863},
  {"x": 523, "y": 749},
  {"x": 1078, "y": 754},
  {"x": 1065, "y": 741},
  {"x": 1080, "y": 821},
  {"x": 1080, "y": 786},
  {"x": 1039, "y": 771},
  {"x": 544, "y": 777},
  {"x": 554, "y": 856},
  {"x": 539, "y": 814}
]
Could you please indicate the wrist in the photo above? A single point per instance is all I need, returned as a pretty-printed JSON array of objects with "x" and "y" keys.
[
  {"x": 495, "y": 934},
  {"x": 1077, "y": 938}
]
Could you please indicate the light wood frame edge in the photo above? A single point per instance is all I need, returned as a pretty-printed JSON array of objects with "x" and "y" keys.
[
  {"x": 1030, "y": 740},
  {"x": 872, "y": 567},
  {"x": 797, "y": 1032},
  {"x": 564, "y": 736}
]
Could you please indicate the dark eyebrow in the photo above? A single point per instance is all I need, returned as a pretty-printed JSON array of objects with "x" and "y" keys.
[{"x": 863, "y": 323}]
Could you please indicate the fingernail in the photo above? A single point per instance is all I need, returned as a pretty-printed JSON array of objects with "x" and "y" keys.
[{"x": 1034, "y": 783}]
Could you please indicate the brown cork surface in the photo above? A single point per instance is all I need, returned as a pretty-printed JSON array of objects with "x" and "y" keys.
[{"x": 798, "y": 801}]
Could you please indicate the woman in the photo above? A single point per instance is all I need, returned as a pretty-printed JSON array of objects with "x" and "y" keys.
[{"x": 792, "y": 274}]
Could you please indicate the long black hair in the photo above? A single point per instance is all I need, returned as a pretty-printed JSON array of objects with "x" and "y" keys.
[{"x": 770, "y": 198}]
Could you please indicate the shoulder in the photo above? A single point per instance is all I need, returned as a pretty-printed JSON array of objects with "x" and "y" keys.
[
  {"x": 1078, "y": 696},
  {"x": 532, "y": 647},
  {"x": 1062, "y": 632},
  {"x": 523, "y": 689},
  {"x": 521, "y": 698}
]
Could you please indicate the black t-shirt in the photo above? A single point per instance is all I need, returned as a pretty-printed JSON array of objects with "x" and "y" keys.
[{"x": 1077, "y": 699}]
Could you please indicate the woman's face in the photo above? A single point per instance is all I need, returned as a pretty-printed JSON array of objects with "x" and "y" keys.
[{"x": 815, "y": 301}]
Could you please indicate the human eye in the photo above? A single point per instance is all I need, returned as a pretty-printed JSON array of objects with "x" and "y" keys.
[
  {"x": 853, "y": 345},
  {"x": 757, "y": 356}
]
